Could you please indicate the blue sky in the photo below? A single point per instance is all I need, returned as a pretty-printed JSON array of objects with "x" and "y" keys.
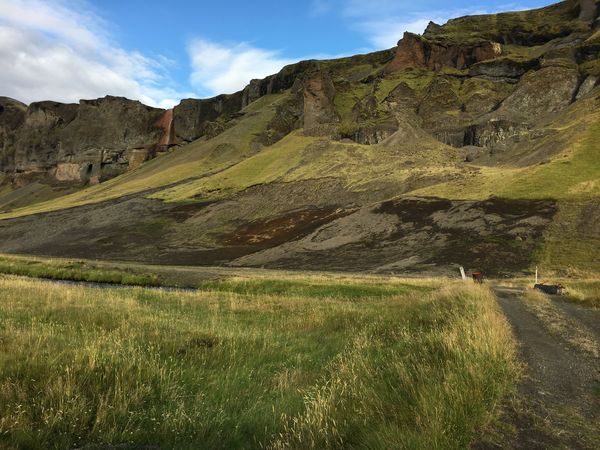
[{"x": 160, "y": 52}]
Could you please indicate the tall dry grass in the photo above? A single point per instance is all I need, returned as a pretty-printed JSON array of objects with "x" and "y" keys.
[{"x": 230, "y": 368}]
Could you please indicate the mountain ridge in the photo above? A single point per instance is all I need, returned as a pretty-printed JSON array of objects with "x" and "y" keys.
[{"x": 403, "y": 157}]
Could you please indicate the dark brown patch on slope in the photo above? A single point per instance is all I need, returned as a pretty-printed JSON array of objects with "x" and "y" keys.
[{"x": 266, "y": 233}]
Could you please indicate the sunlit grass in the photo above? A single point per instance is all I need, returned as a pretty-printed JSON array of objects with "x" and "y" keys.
[
  {"x": 267, "y": 166},
  {"x": 585, "y": 292},
  {"x": 275, "y": 364},
  {"x": 573, "y": 176}
]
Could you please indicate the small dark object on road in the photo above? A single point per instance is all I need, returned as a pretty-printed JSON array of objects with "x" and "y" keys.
[
  {"x": 552, "y": 289},
  {"x": 478, "y": 277}
]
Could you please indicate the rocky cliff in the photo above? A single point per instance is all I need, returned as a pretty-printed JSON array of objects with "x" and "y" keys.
[
  {"x": 95, "y": 140},
  {"x": 78, "y": 143}
]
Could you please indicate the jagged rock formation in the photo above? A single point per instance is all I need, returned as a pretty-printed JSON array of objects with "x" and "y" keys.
[
  {"x": 318, "y": 93},
  {"x": 196, "y": 118},
  {"x": 415, "y": 51}
]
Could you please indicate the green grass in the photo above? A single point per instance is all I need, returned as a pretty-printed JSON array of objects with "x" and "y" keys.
[
  {"x": 570, "y": 241},
  {"x": 30, "y": 194},
  {"x": 73, "y": 271},
  {"x": 591, "y": 67},
  {"x": 572, "y": 175},
  {"x": 316, "y": 289},
  {"x": 416, "y": 78},
  {"x": 264, "y": 167},
  {"x": 594, "y": 38},
  {"x": 346, "y": 99},
  {"x": 291, "y": 367},
  {"x": 576, "y": 176}
]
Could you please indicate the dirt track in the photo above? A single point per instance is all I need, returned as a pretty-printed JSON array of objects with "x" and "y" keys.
[{"x": 558, "y": 403}]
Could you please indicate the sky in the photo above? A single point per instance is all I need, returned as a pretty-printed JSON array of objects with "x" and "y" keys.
[{"x": 159, "y": 52}]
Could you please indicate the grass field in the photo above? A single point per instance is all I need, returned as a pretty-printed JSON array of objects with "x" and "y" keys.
[
  {"x": 73, "y": 270},
  {"x": 266, "y": 363}
]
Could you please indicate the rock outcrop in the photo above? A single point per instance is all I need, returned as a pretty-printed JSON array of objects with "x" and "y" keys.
[
  {"x": 317, "y": 95},
  {"x": 416, "y": 51},
  {"x": 503, "y": 68},
  {"x": 456, "y": 82},
  {"x": 588, "y": 10},
  {"x": 485, "y": 134},
  {"x": 195, "y": 118},
  {"x": 547, "y": 90}
]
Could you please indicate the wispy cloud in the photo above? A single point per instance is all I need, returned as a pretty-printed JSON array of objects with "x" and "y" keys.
[
  {"x": 62, "y": 51},
  {"x": 320, "y": 7},
  {"x": 225, "y": 68}
]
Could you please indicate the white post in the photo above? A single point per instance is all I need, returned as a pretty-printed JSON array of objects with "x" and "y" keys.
[
  {"x": 462, "y": 273},
  {"x": 536, "y": 275}
]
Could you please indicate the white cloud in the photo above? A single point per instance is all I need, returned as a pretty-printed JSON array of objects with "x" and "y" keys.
[
  {"x": 218, "y": 68},
  {"x": 49, "y": 50}
]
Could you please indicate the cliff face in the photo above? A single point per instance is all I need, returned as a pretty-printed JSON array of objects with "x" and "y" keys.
[
  {"x": 77, "y": 143},
  {"x": 482, "y": 80}
]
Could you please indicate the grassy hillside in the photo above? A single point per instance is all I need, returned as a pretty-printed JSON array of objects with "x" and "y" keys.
[
  {"x": 574, "y": 174},
  {"x": 282, "y": 365},
  {"x": 298, "y": 158},
  {"x": 572, "y": 177},
  {"x": 194, "y": 160}
]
